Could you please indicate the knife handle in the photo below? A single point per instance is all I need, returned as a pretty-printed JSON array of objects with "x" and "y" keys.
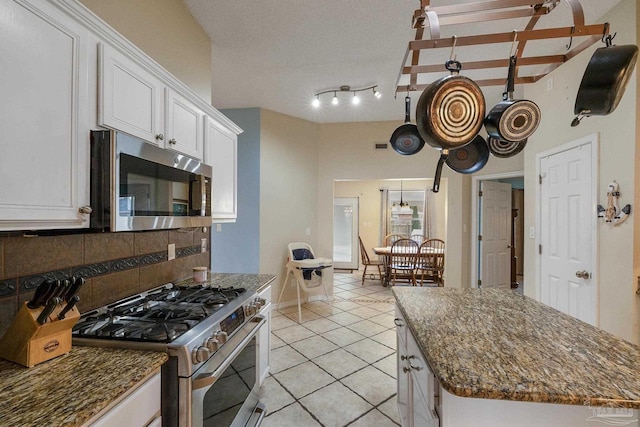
[
  {"x": 76, "y": 284},
  {"x": 39, "y": 296},
  {"x": 72, "y": 302},
  {"x": 48, "y": 309}
]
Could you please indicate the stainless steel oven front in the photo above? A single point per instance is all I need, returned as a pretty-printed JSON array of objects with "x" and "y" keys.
[{"x": 224, "y": 390}]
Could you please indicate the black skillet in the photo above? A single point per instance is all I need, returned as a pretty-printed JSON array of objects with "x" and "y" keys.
[
  {"x": 406, "y": 139},
  {"x": 604, "y": 80},
  {"x": 467, "y": 159},
  {"x": 470, "y": 158}
]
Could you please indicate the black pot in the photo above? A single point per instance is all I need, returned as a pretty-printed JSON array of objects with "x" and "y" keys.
[
  {"x": 512, "y": 120},
  {"x": 604, "y": 80},
  {"x": 406, "y": 139}
]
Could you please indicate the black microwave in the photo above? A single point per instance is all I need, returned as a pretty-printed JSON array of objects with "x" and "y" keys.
[{"x": 136, "y": 185}]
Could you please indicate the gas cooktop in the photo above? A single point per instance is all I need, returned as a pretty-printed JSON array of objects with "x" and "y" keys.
[{"x": 159, "y": 315}]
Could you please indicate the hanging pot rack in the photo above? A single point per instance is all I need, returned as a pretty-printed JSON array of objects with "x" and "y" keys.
[{"x": 428, "y": 19}]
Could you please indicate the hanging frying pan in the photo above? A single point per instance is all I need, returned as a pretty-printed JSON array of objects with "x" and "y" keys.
[
  {"x": 604, "y": 80},
  {"x": 450, "y": 111},
  {"x": 512, "y": 120},
  {"x": 470, "y": 158},
  {"x": 504, "y": 149},
  {"x": 406, "y": 139}
]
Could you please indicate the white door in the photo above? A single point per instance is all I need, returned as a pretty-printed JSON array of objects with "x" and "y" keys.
[
  {"x": 345, "y": 233},
  {"x": 495, "y": 229},
  {"x": 567, "y": 220}
]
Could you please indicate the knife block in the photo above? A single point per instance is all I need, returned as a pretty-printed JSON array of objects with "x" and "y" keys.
[{"x": 28, "y": 343}]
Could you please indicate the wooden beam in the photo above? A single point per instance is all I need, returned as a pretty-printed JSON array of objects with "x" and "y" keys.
[
  {"x": 485, "y": 82},
  {"x": 495, "y": 63},
  {"x": 488, "y": 5},
  {"x": 550, "y": 33}
]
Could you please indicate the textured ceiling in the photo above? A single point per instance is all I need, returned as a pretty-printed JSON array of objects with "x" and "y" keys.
[{"x": 276, "y": 54}]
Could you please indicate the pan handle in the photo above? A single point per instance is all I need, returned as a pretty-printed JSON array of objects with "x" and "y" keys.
[
  {"x": 453, "y": 66},
  {"x": 436, "y": 181},
  {"x": 407, "y": 108}
]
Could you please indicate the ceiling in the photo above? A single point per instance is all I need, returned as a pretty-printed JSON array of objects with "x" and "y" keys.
[{"x": 276, "y": 54}]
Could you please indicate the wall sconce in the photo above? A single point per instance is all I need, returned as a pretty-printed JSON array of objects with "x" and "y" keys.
[{"x": 345, "y": 88}]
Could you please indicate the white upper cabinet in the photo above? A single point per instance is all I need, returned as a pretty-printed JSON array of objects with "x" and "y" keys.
[
  {"x": 64, "y": 72},
  {"x": 130, "y": 98},
  {"x": 133, "y": 100},
  {"x": 221, "y": 152},
  {"x": 184, "y": 125},
  {"x": 43, "y": 120}
]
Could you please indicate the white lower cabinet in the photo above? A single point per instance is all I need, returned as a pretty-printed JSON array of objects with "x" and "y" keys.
[
  {"x": 264, "y": 337},
  {"x": 416, "y": 383},
  {"x": 141, "y": 408}
]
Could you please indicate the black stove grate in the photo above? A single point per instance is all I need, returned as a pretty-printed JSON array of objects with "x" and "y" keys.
[{"x": 160, "y": 315}]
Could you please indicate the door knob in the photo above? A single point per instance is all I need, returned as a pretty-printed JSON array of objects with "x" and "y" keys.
[{"x": 583, "y": 274}]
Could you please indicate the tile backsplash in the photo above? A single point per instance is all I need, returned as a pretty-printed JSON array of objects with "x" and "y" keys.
[{"x": 115, "y": 265}]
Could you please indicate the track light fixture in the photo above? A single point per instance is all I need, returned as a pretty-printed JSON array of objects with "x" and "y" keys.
[{"x": 355, "y": 100}]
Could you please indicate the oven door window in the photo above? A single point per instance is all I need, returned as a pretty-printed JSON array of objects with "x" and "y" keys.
[
  {"x": 152, "y": 189},
  {"x": 224, "y": 400}
]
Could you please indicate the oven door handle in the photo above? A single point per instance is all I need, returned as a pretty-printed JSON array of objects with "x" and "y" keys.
[{"x": 245, "y": 335}]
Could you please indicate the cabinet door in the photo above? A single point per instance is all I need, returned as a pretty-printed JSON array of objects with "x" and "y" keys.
[
  {"x": 130, "y": 98},
  {"x": 403, "y": 375},
  {"x": 184, "y": 125},
  {"x": 43, "y": 143},
  {"x": 137, "y": 409},
  {"x": 264, "y": 337},
  {"x": 222, "y": 153}
]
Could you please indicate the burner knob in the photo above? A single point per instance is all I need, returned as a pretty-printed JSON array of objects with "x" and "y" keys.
[
  {"x": 200, "y": 354},
  {"x": 259, "y": 303},
  {"x": 221, "y": 336},
  {"x": 212, "y": 344},
  {"x": 250, "y": 309}
]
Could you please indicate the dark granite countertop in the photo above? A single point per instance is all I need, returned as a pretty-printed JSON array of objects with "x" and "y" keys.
[
  {"x": 239, "y": 280},
  {"x": 498, "y": 344},
  {"x": 73, "y": 388}
]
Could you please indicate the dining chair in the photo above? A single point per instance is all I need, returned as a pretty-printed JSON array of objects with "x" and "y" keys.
[
  {"x": 389, "y": 239},
  {"x": 403, "y": 260},
  {"x": 366, "y": 261},
  {"x": 430, "y": 262},
  {"x": 419, "y": 238}
]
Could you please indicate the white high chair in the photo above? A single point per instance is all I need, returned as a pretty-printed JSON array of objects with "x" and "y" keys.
[{"x": 305, "y": 269}]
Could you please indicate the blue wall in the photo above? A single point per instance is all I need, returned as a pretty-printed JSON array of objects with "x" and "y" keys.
[{"x": 236, "y": 248}]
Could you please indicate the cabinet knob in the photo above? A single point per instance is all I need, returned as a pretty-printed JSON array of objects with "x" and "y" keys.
[
  {"x": 85, "y": 210},
  {"x": 173, "y": 141},
  {"x": 398, "y": 322},
  {"x": 160, "y": 137}
]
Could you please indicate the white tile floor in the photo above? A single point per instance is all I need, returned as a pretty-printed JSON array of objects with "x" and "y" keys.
[{"x": 336, "y": 368}]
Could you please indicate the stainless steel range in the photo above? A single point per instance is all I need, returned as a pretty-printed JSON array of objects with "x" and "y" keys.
[{"x": 210, "y": 336}]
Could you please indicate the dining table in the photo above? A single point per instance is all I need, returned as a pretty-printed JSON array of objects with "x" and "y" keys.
[{"x": 385, "y": 253}]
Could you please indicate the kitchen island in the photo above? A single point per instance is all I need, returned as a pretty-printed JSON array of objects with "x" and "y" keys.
[
  {"x": 75, "y": 389},
  {"x": 494, "y": 357}
]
